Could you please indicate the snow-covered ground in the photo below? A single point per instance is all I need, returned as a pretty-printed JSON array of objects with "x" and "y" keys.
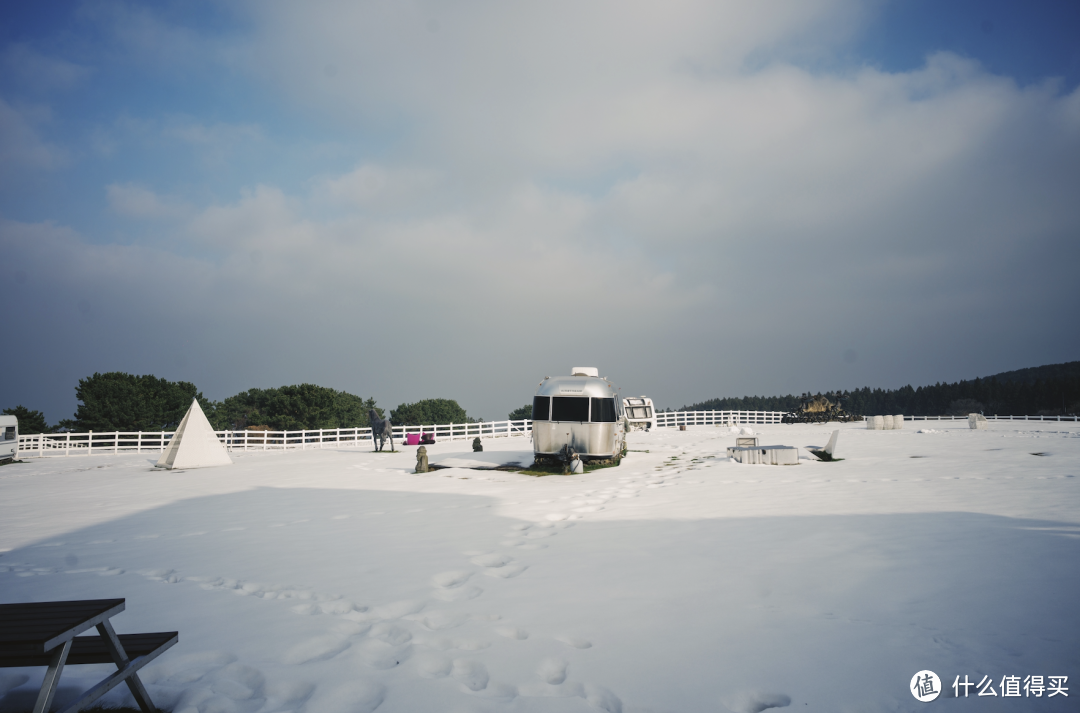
[{"x": 337, "y": 581}]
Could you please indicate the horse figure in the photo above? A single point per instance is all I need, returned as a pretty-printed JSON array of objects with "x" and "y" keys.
[{"x": 380, "y": 430}]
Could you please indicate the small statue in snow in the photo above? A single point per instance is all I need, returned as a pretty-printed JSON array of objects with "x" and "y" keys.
[
  {"x": 476, "y": 445},
  {"x": 421, "y": 460}
]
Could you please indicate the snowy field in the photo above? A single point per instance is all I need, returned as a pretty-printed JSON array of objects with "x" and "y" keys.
[{"x": 337, "y": 581}]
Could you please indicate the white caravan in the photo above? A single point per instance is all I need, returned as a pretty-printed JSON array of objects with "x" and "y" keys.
[
  {"x": 9, "y": 437},
  {"x": 639, "y": 412}
]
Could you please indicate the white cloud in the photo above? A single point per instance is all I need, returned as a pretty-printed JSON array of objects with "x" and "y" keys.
[
  {"x": 654, "y": 188},
  {"x": 134, "y": 201},
  {"x": 21, "y": 145},
  {"x": 218, "y": 134},
  {"x": 38, "y": 71}
]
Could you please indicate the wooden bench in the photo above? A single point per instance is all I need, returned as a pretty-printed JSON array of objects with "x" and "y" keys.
[{"x": 47, "y": 634}]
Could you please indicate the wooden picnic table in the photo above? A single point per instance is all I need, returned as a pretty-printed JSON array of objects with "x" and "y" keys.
[{"x": 47, "y": 634}]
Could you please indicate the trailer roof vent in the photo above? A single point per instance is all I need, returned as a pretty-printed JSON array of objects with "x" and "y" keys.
[{"x": 585, "y": 371}]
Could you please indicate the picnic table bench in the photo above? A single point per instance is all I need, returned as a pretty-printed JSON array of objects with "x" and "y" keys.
[{"x": 47, "y": 634}]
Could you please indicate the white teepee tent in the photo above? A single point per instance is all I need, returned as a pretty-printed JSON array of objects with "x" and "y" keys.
[{"x": 194, "y": 445}]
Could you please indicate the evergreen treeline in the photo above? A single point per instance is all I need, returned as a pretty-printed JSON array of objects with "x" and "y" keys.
[
  {"x": 292, "y": 408},
  {"x": 429, "y": 412},
  {"x": 1045, "y": 390},
  {"x": 747, "y": 403},
  {"x": 116, "y": 401}
]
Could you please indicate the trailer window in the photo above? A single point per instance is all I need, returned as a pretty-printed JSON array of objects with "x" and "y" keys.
[
  {"x": 9, "y": 433},
  {"x": 569, "y": 408},
  {"x": 541, "y": 408},
  {"x": 603, "y": 410}
]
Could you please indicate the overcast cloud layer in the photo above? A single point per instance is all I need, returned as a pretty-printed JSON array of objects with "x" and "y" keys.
[{"x": 403, "y": 200}]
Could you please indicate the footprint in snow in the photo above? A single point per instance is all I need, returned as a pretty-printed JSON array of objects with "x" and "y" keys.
[
  {"x": 576, "y": 641},
  {"x": 450, "y": 580},
  {"x": 597, "y": 696},
  {"x": 390, "y": 633},
  {"x": 380, "y": 654},
  {"x": 396, "y": 610},
  {"x": 756, "y": 701},
  {"x": 470, "y": 673},
  {"x": 283, "y": 693},
  {"x": 552, "y": 670},
  {"x": 318, "y": 648},
  {"x": 459, "y": 594},
  {"x": 547, "y": 690},
  {"x": 357, "y": 696},
  {"x": 512, "y": 632},
  {"x": 168, "y": 576},
  {"x": 238, "y": 682},
  {"x": 186, "y": 668},
  {"x": 506, "y": 572},
  {"x": 441, "y": 619},
  {"x": 338, "y": 607},
  {"x": 493, "y": 559},
  {"x": 433, "y": 665}
]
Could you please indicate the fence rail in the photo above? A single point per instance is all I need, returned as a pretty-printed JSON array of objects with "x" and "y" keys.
[
  {"x": 674, "y": 419},
  {"x": 53, "y": 444},
  {"x": 64, "y": 444},
  {"x": 994, "y": 418}
]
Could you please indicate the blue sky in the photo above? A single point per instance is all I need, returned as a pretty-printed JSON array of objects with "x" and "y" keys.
[{"x": 455, "y": 200}]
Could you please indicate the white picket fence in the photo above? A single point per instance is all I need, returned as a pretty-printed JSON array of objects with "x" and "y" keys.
[
  {"x": 64, "y": 444},
  {"x": 674, "y": 419},
  {"x": 994, "y": 418}
]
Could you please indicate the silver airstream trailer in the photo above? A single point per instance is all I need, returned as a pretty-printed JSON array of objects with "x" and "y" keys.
[{"x": 583, "y": 411}]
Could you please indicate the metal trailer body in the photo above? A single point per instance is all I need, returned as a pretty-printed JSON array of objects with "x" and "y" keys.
[
  {"x": 9, "y": 437},
  {"x": 639, "y": 412},
  {"x": 583, "y": 411}
]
